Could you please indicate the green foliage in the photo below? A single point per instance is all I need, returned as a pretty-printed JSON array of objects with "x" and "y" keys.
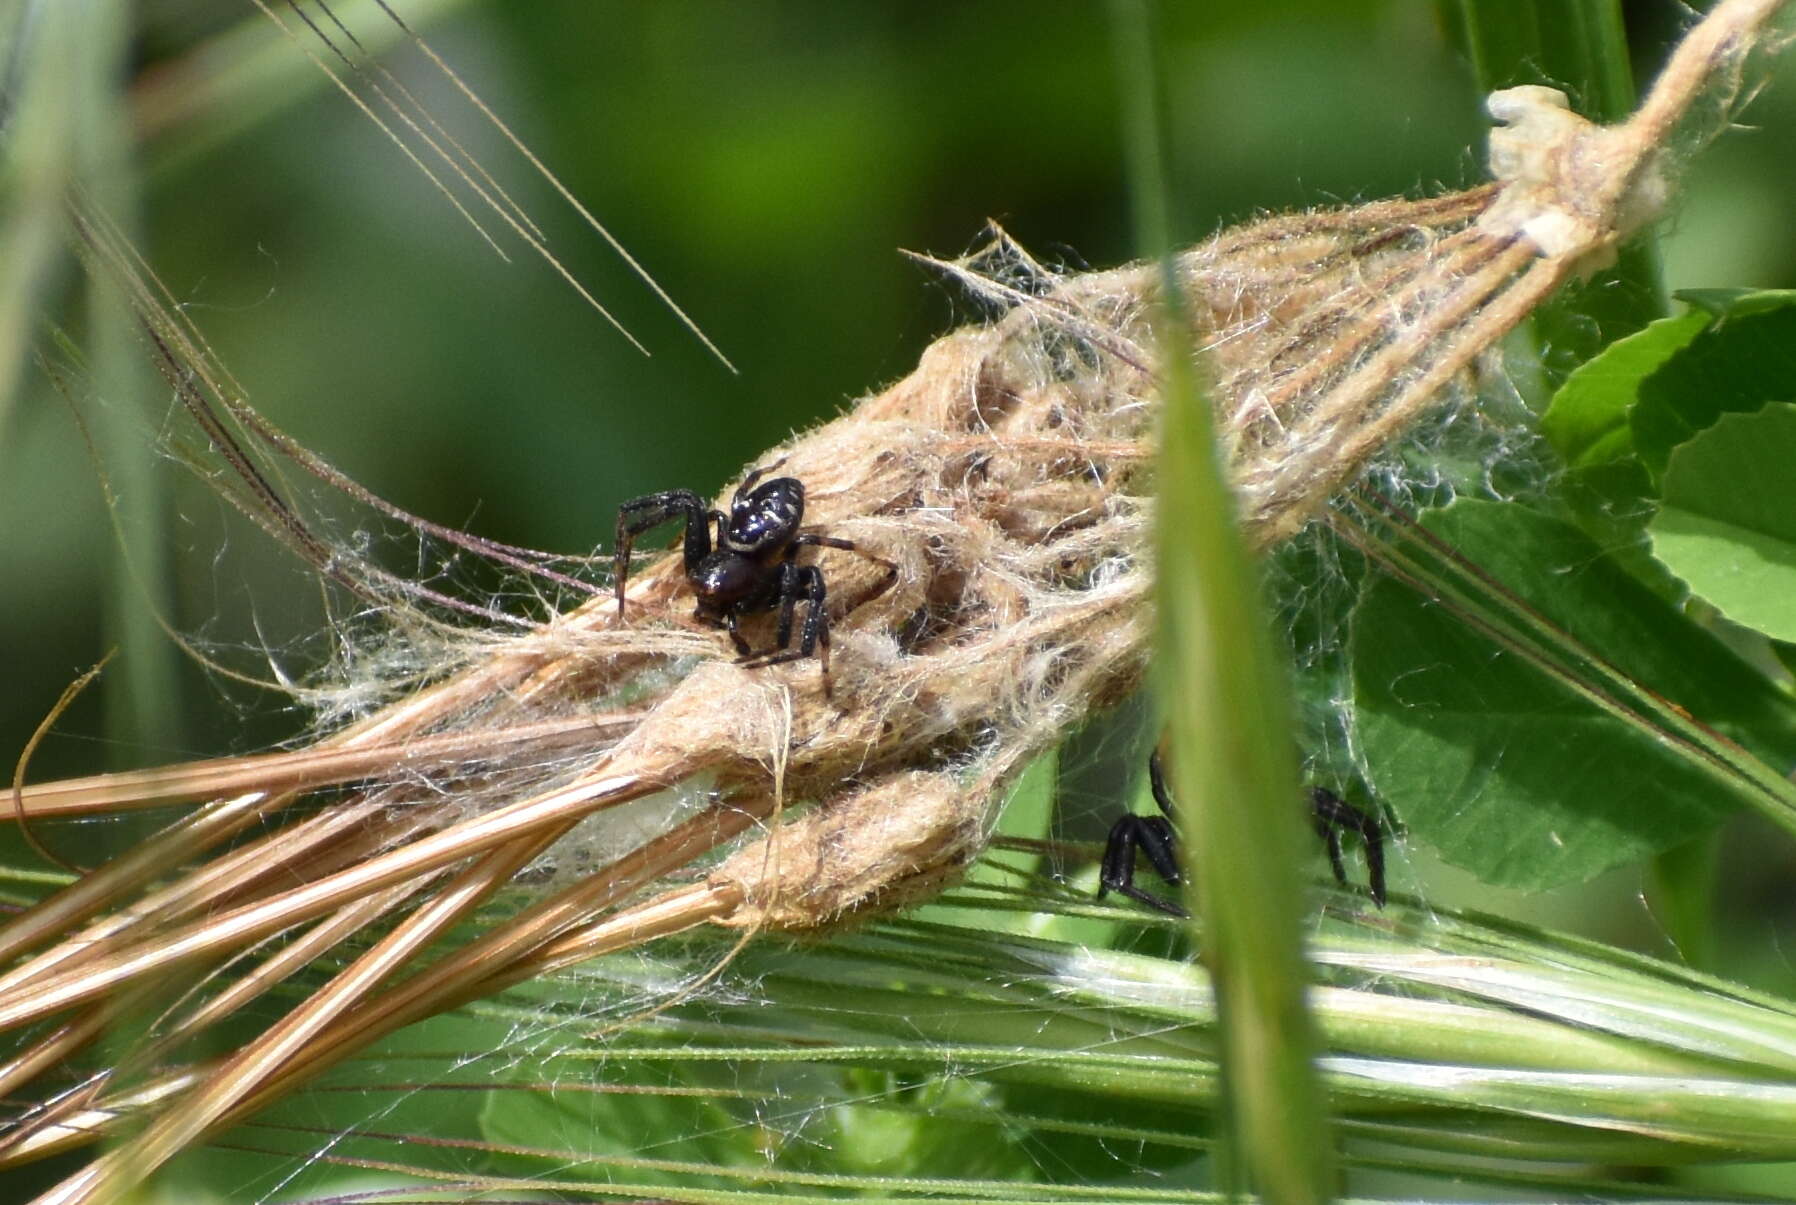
[
  {"x": 1727, "y": 526},
  {"x": 1648, "y": 393},
  {"x": 1227, "y": 712},
  {"x": 961, "y": 1063},
  {"x": 1743, "y": 359},
  {"x": 1546, "y": 739},
  {"x": 1500, "y": 757},
  {"x": 627, "y": 1122},
  {"x": 1588, "y": 419}
]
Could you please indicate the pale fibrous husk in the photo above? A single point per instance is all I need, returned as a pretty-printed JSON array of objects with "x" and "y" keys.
[{"x": 1009, "y": 480}]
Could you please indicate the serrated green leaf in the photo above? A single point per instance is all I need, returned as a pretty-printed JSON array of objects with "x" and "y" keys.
[
  {"x": 1648, "y": 393},
  {"x": 1728, "y": 524},
  {"x": 1734, "y": 365},
  {"x": 1587, "y": 420},
  {"x": 1505, "y": 768}
]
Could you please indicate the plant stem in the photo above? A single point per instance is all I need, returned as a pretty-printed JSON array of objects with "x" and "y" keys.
[{"x": 1229, "y": 724}]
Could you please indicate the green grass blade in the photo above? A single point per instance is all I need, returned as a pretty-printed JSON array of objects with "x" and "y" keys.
[{"x": 1229, "y": 727}]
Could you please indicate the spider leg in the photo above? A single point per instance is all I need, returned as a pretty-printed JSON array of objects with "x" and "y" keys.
[
  {"x": 742, "y": 649},
  {"x": 1156, "y": 838},
  {"x": 755, "y": 474},
  {"x": 815, "y": 637},
  {"x": 1332, "y": 816},
  {"x": 1330, "y": 836},
  {"x": 1156, "y": 781},
  {"x": 799, "y": 583},
  {"x": 822, "y": 541},
  {"x": 788, "y": 595},
  {"x": 1152, "y": 836},
  {"x": 651, "y": 510}
]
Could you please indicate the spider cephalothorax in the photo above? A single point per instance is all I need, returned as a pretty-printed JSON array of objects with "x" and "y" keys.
[{"x": 752, "y": 564}]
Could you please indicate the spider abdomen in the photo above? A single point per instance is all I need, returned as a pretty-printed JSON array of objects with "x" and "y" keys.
[{"x": 765, "y": 519}]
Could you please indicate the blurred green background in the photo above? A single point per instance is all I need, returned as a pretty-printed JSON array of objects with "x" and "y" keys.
[{"x": 766, "y": 161}]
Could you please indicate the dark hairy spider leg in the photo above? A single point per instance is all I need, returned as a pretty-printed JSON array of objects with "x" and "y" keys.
[
  {"x": 817, "y": 541},
  {"x": 788, "y": 605},
  {"x": 1332, "y": 815},
  {"x": 730, "y": 623},
  {"x": 1327, "y": 832},
  {"x": 651, "y": 510},
  {"x": 891, "y": 567},
  {"x": 758, "y": 472},
  {"x": 1155, "y": 837},
  {"x": 799, "y": 583},
  {"x": 1151, "y": 835}
]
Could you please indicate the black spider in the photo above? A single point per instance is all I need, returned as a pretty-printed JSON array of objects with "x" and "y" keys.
[
  {"x": 753, "y": 565},
  {"x": 1154, "y": 836}
]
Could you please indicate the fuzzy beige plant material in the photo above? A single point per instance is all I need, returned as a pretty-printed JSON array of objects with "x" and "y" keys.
[{"x": 1008, "y": 478}]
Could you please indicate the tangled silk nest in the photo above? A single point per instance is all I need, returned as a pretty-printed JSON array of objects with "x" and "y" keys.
[{"x": 1008, "y": 478}]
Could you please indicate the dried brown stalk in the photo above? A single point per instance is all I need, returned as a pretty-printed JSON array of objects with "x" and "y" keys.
[{"x": 1008, "y": 477}]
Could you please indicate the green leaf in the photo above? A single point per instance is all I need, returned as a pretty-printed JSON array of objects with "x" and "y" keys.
[
  {"x": 1613, "y": 503},
  {"x": 1647, "y": 393},
  {"x": 1740, "y": 360},
  {"x": 1505, "y": 767},
  {"x": 1728, "y": 524},
  {"x": 1587, "y": 420},
  {"x": 1737, "y": 303}
]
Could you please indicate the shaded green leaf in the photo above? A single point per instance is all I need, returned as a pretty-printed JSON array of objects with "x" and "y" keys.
[
  {"x": 1648, "y": 393},
  {"x": 1738, "y": 362},
  {"x": 1728, "y": 524},
  {"x": 1613, "y": 502},
  {"x": 1505, "y": 767},
  {"x": 1587, "y": 420}
]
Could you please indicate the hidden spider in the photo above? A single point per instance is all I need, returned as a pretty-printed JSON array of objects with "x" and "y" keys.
[
  {"x": 753, "y": 565},
  {"x": 1155, "y": 837}
]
